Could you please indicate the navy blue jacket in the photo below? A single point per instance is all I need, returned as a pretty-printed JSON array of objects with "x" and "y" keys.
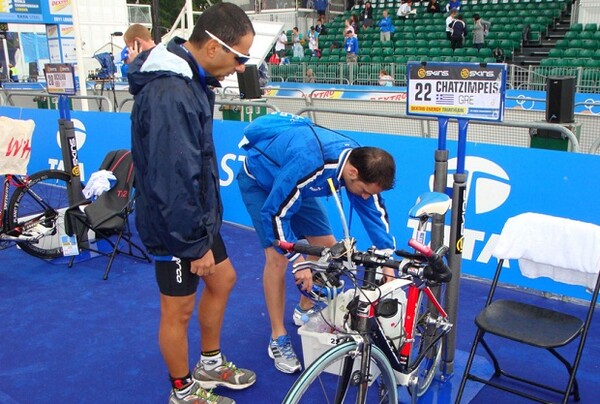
[{"x": 178, "y": 206}]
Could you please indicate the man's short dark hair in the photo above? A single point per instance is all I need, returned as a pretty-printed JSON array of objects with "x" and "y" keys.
[
  {"x": 226, "y": 21},
  {"x": 374, "y": 165}
]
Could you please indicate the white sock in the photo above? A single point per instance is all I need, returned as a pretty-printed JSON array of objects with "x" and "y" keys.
[
  {"x": 184, "y": 392},
  {"x": 211, "y": 362}
]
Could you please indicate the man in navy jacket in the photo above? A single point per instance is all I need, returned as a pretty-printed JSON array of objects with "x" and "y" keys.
[{"x": 178, "y": 206}]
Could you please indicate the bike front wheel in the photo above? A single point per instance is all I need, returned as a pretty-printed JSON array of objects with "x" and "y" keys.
[
  {"x": 38, "y": 209},
  {"x": 332, "y": 378}
]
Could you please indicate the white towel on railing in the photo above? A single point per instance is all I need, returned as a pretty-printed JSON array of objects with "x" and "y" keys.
[{"x": 565, "y": 250}]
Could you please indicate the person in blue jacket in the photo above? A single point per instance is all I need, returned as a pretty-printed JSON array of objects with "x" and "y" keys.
[
  {"x": 289, "y": 160},
  {"x": 178, "y": 205}
]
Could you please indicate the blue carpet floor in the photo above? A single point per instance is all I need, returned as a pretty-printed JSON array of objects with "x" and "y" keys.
[{"x": 67, "y": 336}]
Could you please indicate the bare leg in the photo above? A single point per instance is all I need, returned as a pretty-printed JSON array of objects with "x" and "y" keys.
[
  {"x": 211, "y": 308},
  {"x": 175, "y": 314},
  {"x": 274, "y": 287}
]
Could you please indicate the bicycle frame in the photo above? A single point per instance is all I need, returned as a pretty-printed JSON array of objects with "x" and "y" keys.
[
  {"x": 5, "y": 230},
  {"x": 398, "y": 357}
]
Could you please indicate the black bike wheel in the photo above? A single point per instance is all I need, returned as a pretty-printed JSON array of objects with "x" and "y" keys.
[
  {"x": 331, "y": 378},
  {"x": 424, "y": 332},
  {"x": 24, "y": 209}
]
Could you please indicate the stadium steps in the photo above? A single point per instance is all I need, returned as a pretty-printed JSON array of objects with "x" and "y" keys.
[{"x": 532, "y": 54}]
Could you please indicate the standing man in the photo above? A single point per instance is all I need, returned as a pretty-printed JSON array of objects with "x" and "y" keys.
[
  {"x": 178, "y": 206},
  {"x": 137, "y": 39},
  {"x": 351, "y": 47},
  {"x": 289, "y": 160}
]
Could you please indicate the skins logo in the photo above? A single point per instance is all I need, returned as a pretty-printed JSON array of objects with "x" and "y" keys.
[
  {"x": 486, "y": 179},
  {"x": 80, "y": 133}
]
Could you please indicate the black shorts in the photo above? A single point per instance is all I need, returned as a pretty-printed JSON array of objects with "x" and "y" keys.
[{"x": 174, "y": 277}]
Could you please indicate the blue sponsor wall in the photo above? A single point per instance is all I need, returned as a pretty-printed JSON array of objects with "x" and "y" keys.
[{"x": 503, "y": 181}]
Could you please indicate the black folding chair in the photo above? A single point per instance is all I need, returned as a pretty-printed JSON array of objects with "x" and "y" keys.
[
  {"x": 108, "y": 215},
  {"x": 570, "y": 255}
]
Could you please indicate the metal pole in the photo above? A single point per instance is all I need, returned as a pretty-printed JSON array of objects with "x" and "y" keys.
[
  {"x": 155, "y": 15},
  {"x": 81, "y": 73},
  {"x": 6, "y": 61},
  {"x": 440, "y": 181},
  {"x": 459, "y": 201}
]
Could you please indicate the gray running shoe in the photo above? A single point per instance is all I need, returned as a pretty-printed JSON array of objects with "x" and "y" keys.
[
  {"x": 227, "y": 375},
  {"x": 281, "y": 351},
  {"x": 199, "y": 396}
]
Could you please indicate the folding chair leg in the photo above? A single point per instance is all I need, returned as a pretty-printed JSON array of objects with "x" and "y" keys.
[
  {"x": 71, "y": 261},
  {"x": 112, "y": 257},
  {"x": 463, "y": 382}
]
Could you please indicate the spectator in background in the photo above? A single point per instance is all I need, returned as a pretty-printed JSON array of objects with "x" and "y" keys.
[
  {"x": 321, "y": 8},
  {"x": 137, "y": 39},
  {"x": 280, "y": 45},
  {"x": 348, "y": 26},
  {"x": 449, "y": 21},
  {"x": 355, "y": 23},
  {"x": 385, "y": 79},
  {"x": 351, "y": 47},
  {"x": 366, "y": 16},
  {"x": 298, "y": 50},
  {"x": 480, "y": 30},
  {"x": 405, "y": 9},
  {"x": 459, "y": 31},
  {"x": 320, "y": 27},
  {"x": 433, "y": 7},
  {"x": 13, "y": 73},
  {"x": 386, "y": 26},
  {"x": 310, "y": 76},
  {"x": 453, "y": 5},
  {"x": 313, "y": 41},
  {"x": 274, "y": 59}
]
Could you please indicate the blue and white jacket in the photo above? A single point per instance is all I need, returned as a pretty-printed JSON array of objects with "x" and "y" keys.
[{"x": 292, "y": 158}]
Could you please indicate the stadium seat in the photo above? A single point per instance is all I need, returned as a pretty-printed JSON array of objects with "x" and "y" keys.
[
  {"x": 578, "y": 27},
  {"x": 593, "y": 27},
  {"x": 555, "y": 53}
]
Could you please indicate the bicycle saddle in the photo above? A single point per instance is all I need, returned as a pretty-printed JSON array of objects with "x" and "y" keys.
[{"x": 429, "y": 203}]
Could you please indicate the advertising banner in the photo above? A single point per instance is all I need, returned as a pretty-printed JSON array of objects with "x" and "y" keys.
[{"x": 502, "y": 181}]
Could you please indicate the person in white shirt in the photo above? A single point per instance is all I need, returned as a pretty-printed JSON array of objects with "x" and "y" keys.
[
  {"x": 404, "y": 10},
  {"x": 449, "y": 20},
  {"x": 280, "y": 44}
]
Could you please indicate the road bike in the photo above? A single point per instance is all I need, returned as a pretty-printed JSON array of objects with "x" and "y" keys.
[
  {"x": 392, "y": 332},
  {"x": 32, "y": 214}
]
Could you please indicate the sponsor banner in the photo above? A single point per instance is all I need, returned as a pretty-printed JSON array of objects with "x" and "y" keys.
[
  {"x": 514, "y": 99},
  {"x": 502, "y": 181},
  {"x": 36, "y": 11}
]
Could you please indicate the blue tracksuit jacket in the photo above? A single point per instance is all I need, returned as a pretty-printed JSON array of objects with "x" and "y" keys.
[{"x": 292, "y": 158}]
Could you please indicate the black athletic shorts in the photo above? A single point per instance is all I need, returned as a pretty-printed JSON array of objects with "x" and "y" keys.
[{"x": 173, "y": 274}]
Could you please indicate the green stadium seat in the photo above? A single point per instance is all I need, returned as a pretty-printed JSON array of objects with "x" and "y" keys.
[
  {"x": 555, "y": 53},
  {"x": 571, "y": 53},
  {"x": 586, "y": 53},
  {"x": 589, "y": 44},
  {"x": 389, "y": 59},
  {"x": 460, "y": 52},
  {"x": 471, "y": 52},
  {"x": 572, "y": 35},
  {"x": 562, "y": 43},
  {"x": 485, "y": 53},
  {"x": 585, "y": 35},
  {"x": 377, "y": 59},
  {"x": 575, "y": 43},
  {"x": 578, "y": 27},
  {"x": 592, "y": 26},
  {"x": 334, "y": 58}
]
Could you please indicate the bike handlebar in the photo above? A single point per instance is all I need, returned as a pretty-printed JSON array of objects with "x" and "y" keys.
[{"x": 435, "y": 270}]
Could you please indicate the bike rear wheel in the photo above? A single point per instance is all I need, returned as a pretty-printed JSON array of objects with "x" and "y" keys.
[
  {"x": 330, "y": 378},
  {"x": 424, "y": 332},
  {"x": 40, "y": 207}
]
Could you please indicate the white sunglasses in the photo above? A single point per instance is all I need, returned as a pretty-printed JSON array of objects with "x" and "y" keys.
[{"x": 239, "y": 57}]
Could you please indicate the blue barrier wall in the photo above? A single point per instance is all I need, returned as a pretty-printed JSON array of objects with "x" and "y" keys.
[{"x": 503, "y": 181}]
